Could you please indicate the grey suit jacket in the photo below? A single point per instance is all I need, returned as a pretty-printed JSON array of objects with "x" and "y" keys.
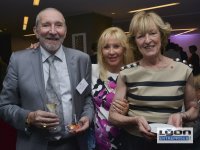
[{"x": 23, "y": 91}]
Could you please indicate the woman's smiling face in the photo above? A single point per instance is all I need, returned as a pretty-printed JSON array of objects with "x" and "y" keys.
[
  {"x": 113, "y": 53},
  {"x": 149, "y": 43}
]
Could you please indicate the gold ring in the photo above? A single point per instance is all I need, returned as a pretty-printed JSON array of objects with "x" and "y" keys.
[{"x": 44, "y": 125}]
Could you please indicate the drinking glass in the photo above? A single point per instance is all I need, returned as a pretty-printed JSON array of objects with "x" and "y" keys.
[
  {"x": 51, "y": 107},
  {"x": 74, "y": 125}
]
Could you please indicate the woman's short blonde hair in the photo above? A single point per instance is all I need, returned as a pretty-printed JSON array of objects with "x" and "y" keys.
[
  {"x": 118, "y": 34},
  {"x": 143, "y": 22}
]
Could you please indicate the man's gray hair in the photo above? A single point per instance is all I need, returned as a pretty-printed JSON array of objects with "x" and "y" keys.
[{"x": 38, "y": 15}]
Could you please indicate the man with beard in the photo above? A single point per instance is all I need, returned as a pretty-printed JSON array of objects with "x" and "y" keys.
[{"x": 25, "y": 102}]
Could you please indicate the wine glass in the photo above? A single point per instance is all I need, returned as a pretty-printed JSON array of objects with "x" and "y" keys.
[
  {"x": 74, "y": 125},
  {"x": 52, "y": 108}
]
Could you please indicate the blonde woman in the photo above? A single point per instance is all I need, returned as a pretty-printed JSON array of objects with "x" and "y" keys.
[{"x": 113, "y": 52}]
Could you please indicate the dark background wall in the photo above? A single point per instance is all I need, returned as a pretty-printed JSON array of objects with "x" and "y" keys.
[
  {"x": 5, "y": 46},
  {"x": 92, "y": 24}
]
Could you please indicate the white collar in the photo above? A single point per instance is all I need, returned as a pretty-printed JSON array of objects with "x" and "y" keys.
[{"x": 59, "y": 54}]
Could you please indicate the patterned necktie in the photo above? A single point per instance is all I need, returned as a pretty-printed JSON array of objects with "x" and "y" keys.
[{"x": 54, "y": 103}]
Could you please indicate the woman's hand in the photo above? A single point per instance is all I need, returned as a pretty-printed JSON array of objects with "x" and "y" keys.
[
  {"x": 176, "y": 119},
  {"x": 121, "y": 106},
  {"x": 144, "y": 128}
]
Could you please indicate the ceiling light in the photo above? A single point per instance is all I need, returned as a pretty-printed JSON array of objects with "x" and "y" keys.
[
  {"x": 30, "y": 34},
  {"x": 25, "y": 23},
  {"x": 155, "y": 7},
  {"x": 1, "y": 30},
  {"x": 24, "y": 27},
  {"x": 25, "y": 20},
  {"x": 184, "y": 30},
  {"x": 36, "y": 2}
]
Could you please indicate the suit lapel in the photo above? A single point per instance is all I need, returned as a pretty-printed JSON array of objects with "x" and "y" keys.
[
  {"x": 71, "y": 65},
  {"x": 72, "y": 70},
  {"x": 36, "y": 61}
]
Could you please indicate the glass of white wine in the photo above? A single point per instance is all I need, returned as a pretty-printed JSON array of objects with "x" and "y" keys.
[{"x": 52, "y": 108}]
